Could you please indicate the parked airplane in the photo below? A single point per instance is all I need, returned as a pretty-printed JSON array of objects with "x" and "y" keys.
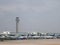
[
  {"x": 22, "y": 37},
  {"x": 2, "y": 37}
]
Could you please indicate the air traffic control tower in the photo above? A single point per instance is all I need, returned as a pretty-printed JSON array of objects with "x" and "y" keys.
[{"x": 17, "y": 24}]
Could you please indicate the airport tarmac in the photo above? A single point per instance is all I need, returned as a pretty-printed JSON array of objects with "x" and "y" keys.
[{"x": 31, "y": 42}]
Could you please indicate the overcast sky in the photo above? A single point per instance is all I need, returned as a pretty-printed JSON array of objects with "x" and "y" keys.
[{"x": 35, "y": 15}]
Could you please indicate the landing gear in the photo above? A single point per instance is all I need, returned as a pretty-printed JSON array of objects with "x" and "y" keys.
[{"x": 1, "y": 39}]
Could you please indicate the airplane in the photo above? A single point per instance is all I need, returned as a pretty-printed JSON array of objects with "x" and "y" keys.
[
  {"x": 6, "y": 36},
  {"x": 22, "y": 37},
  {"x": 2, "y": 37}
]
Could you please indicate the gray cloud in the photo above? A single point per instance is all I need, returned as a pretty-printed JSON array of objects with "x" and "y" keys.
[{"x": 35, "y": 15}]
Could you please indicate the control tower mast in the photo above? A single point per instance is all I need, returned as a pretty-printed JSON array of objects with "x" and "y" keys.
[{"x": 17, "y": 24}]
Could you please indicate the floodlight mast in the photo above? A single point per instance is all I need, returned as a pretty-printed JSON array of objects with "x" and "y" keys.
[{"x": 17, "y": 24}]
